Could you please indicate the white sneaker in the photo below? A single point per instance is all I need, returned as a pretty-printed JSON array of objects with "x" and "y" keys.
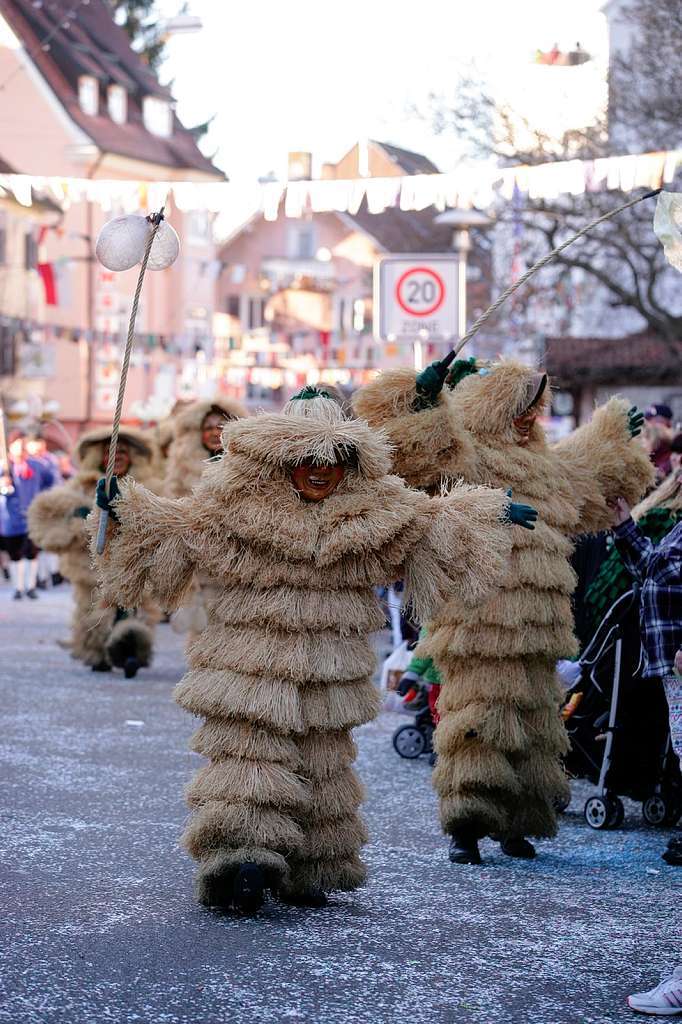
[{"x": 663, "y": 1001}]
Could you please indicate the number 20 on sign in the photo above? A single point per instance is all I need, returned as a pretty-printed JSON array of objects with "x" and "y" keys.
[{"x": 416, "y": 297}]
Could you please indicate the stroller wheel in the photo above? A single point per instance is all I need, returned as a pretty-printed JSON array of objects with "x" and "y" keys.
[
  {"x": 618, "y": 813},
  {"x": 602, "y": 812},
  {"x": 409, "y": 742},
  {"x": 659, "y": 812}
]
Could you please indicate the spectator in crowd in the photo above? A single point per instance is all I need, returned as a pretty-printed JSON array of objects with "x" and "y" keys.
[
  {"x": 25, "y": 479},
  {"x": 658, "y": 570},
  {"x": 48, "y": 563},
  {"x": 655, "y": 516},
  {"x": 657, "y": 436}
]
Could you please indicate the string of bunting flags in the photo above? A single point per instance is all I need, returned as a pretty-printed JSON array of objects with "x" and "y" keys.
[{"x": 469, "y": 185}]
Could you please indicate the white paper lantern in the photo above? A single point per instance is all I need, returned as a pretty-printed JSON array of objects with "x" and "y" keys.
[
  {"x": 121, "y": 242},
  {"x": 668, "y": 226},
  {"x": 165, "y": 247}
]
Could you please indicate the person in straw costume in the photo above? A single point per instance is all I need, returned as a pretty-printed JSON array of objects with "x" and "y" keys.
[
  {"x": 197, "y": 437},
  {"x": 102, "y": 635},
  {"x": 499, "y": 740},
  {"x": 296, "y": 524}
]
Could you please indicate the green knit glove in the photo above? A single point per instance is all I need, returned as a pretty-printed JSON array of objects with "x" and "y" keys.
[
  {"x": 101, "y": 498},
  {"x": 635, "y": 421},
  {"x": 460, "y": 369},
  {"x": 429, "y": 384},
  {"x": 82, "y": 512},
  {"x": 519, "y": 515}
]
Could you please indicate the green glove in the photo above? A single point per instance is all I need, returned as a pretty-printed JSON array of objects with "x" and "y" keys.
[
  {"x": 460, "y": 369},
  {"x": 430, "y": 384},
  {"x": 635, "y": 421},
  {"x": 82, "y": 512},
  {"x": 101, "y": 498},
  {"x": 520, "y": 515}
]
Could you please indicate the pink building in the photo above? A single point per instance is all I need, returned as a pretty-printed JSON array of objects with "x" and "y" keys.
[{"x": 77, "y": 101}]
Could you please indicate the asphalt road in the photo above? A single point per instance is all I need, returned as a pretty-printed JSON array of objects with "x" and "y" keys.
[{"x": 98, "y": 922}]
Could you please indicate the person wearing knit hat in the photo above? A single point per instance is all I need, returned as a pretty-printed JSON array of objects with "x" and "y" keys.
[
  {"x": 103, "y": 635},
  {"x": 500, "y": 739},
  {"x": 296, "y": 523}
]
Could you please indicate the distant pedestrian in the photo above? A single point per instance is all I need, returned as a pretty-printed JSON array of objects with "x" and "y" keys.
[{"x": 26, "y": 478}]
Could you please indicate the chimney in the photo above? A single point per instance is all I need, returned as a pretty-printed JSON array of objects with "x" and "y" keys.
[{"x": 300, "y": 167}]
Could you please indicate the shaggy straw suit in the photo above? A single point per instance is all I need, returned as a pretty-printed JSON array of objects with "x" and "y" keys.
[
  {"x": 186, "y": 460},
  {"x": 500, "y": 739},
  {"x": 187, "y": 455},
  {"x": 55, "y": 525},
  {"x": 282, "y": 672}
]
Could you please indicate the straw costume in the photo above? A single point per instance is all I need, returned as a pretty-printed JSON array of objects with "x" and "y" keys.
[
  {"x": 101, "y": 635},
  {"x": 500, "y": 738},
  {"x": 282, "y": 672},
  {"x": 196, "y": 438},
  {"x": 187, "y": 453}
]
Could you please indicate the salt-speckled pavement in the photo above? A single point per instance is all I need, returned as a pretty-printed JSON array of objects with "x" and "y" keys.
[{"x": 98, "y": 922}]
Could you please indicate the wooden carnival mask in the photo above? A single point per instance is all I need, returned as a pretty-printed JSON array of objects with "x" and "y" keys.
[{"x": 315, "y": 483}]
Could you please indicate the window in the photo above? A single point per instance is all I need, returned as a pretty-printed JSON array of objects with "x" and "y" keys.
[
  {"x": 157, "y": 117},
  {"x": 117, "y": 103},
  {"x": 198, "y": 227},
  {"x": 359, "y": 315},
  {"x": 256, "y": 313},
  {"x": 301, "y": 242},
  {"x": 30, "y": 252},
  {"x": 232, "y": 306},
  {"x": 88, "y": 95}
]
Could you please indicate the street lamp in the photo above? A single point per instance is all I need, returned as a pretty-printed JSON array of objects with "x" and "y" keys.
[{"x": 461, "y": 221}]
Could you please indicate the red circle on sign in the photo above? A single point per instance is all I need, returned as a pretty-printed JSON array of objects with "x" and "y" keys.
[{"x": 439, "y": 285}]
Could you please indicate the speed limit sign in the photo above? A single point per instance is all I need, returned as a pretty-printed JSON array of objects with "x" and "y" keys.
[{"x": 416, "y": 297}]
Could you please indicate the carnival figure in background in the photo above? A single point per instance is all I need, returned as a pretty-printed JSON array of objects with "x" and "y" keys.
[
  {"x": 102, "y": 635},
  {"x": 295, "y": 524},
  {"x": 500, "y": 739},
  {"x": 197, "y": 437}
]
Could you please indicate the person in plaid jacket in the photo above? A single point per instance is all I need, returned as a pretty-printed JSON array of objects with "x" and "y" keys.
[{"x": 657, "y": 569}]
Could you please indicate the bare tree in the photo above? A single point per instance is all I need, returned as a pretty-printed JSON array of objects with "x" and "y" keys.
[{"x": 645, "y": 113}]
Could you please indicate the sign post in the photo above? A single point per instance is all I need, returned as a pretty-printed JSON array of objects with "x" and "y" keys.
[{"x": 416, "y": 300}]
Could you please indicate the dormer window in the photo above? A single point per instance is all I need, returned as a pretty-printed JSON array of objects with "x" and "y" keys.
[
  {"x": 157, "y": 116},
  {"x": 117, "y": 103},
  {"x": 88, "y": 95}
]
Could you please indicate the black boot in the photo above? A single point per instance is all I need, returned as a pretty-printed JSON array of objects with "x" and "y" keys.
[
  {"x": 313, "y": 897},
  {"x": 101, "y": 666},
  {"x": 130, "y": 667},
  {"x": 57, "y": 578},
  {"x": 248, "y": 889},
  {"x": 673, "y": 853},
  {"x": 517, "y": 846},
  {"x": 464, "y": 847}
]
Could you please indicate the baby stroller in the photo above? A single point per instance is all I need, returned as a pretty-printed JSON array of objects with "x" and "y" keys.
[
  {"x": 618, "y": 726},
  {"x": 416, "y": 738}
]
